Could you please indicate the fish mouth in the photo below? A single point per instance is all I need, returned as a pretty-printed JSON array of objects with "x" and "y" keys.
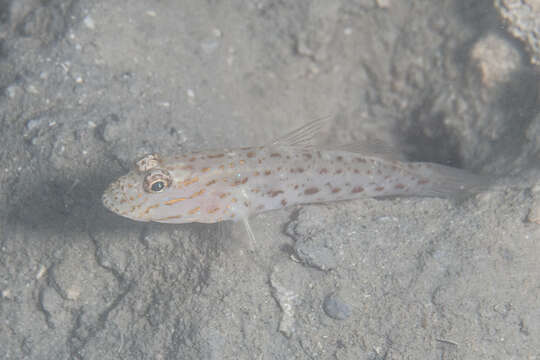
[{"x": 107, "y": 201}]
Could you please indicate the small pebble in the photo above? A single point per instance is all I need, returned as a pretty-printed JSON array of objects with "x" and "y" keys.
[
  {"x": 316, "y": 255},
  {"x": 12, "y": 91},
  {"x": 336, "y": 308},
  {"x": 33, "y": 123},
  {"x": 495, "y": 58},
  {"x": 89, "y": 22}
]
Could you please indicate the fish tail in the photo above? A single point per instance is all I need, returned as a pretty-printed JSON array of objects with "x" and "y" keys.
[{"x": 444, "y": 181}]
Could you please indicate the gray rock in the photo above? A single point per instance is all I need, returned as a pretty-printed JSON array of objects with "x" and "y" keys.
[
  {"x": 335, "y": 307},
  {"x": 523, "y": 22}
]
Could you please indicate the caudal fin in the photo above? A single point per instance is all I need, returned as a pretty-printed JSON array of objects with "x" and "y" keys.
[{"x": 445, "y": 181}]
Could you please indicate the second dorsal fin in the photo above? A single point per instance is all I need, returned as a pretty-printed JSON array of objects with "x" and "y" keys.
[{"x": 306, "y": 135}]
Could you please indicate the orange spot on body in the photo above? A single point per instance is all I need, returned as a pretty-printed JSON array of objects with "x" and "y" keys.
[
  {"x": 211, "y": 211},
  {"x": 198, "y": 193},
  {"x": 221, "y": 196},
  {"x": 238, "y": 182},
  {"x": 150, "y": 208},
  {"x": 205, "y": 169},
  {"x": 211, "y": 182},
  {"x": 275, "y": 193},
  {"x": 194, "y": 210},
  {"x": 174, "y": 201},
  {"x": 191, "y": 181}
]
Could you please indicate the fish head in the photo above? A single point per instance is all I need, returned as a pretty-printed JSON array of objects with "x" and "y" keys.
[{"x": 150, "y": 192}]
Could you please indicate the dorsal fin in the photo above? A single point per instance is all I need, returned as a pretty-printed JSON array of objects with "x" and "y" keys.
[{"x": 303, "y": 136}]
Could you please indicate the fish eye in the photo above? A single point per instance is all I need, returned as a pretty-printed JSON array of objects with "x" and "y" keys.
[
  {"x": 157, "y": 186},
  {"x": 156, "y": 180}
]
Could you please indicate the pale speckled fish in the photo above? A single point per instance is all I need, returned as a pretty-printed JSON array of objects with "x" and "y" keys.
[{"x": 213, "y": 186}]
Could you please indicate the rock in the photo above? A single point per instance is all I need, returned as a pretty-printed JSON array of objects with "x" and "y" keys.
[{"x": 336, "y": 308}]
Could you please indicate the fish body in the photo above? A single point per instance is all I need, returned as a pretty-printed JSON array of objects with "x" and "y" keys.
[{"x": 213, "y": 186}]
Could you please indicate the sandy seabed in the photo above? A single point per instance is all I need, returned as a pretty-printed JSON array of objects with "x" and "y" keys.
[{"x": 87, "y": 87}]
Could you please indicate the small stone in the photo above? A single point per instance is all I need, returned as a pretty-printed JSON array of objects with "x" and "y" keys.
[
  {"x": 89, "y": 22},
  {"x": 6, "y": 293},
  {"x": 111, "y": 129},
  {"x": 42, "y": 270},
  {"x": 496, "y": 59},
  {"x": 73, "y": 293},
  {"x": 336, "y": 308},
  {"x": 32, "y": 89},
  {"x": 11, "y": 91},
  {"x": 316, "y": 255},
  {"x": 33, "y": 124}
]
